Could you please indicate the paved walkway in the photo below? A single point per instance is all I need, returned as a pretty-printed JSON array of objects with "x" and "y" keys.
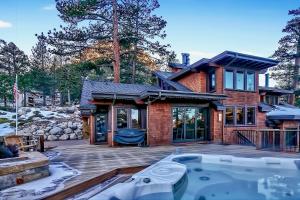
[{"x": 93, "y": 160}]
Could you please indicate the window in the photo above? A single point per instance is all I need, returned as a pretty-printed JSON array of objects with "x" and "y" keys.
[
  {"x": 212, "y": 81},
  {"x": 135, "y": 119},
  {"x": 250, "y": 115},
  {"x": 250, "y": 81},
  {"x": 271, "y": 99},
  {"x": 240, "y": 116},
  {"x": 122, "y": 118},
  {"x": 240, "y": 81},
  {"x": 229, "y": 118},
  {"x": 130, "y": 118},
  {"x": 229, "y": 79}
]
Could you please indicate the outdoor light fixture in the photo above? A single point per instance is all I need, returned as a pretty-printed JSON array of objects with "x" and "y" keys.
[{"x": 220, "y": 116}]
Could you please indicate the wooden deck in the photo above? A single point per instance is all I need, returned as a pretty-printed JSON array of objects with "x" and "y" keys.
[{"x": 94, "y": 160}]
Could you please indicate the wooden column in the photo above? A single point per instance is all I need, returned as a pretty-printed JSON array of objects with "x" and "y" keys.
[
  {"x": 92, "y": 129},
  {"x": 85, "y": 128}
]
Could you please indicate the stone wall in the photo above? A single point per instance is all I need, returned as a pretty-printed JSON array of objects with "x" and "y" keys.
[{"x": 63, "y": 123}]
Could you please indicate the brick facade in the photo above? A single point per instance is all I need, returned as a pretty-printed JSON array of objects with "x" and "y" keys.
[{"x": 159, "y": 124}]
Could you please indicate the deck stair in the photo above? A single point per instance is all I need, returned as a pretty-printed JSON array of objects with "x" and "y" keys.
[{"x": 246, "y": 137}]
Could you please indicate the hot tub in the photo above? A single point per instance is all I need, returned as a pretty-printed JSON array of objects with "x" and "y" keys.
[{"x": 211, "y": 177}]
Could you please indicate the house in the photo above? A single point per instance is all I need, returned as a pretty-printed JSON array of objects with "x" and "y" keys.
[
  {"x": 205, "y": 101},
  {"x": 35, "y": 99}
]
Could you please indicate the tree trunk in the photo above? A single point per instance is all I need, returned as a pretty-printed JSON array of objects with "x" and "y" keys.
[
  {"x": 116, "y": 45},
  {"x": 133, "y": 70},
  {"x": 24, "y": 99},
  {"x": 296, "y": 68},
  {"x": 44, "y": 98},
  {"x": 5, "y": 102},
  {"x": 69, "y": 97}
]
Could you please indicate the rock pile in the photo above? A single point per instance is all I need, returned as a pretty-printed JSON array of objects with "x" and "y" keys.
[{"x": 61, "y": 123}]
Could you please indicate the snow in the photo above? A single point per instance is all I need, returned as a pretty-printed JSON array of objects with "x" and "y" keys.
[
  {"x": 283, "y": 110},
  {"x": 6, "y": 129},
  {"x": 60, "y": 172}
]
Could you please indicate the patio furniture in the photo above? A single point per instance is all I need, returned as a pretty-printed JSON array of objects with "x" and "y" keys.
[
  {"x": 18, "y": 140},
  {"x": 130, "y": 136}
]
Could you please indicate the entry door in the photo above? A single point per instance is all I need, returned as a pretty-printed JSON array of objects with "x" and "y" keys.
[
  {"x": 190, "y": 124},
  {"x": 101, "y": 126}
]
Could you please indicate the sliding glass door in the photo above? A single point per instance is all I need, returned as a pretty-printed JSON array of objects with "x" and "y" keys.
[{"x": 190, "y": 124}]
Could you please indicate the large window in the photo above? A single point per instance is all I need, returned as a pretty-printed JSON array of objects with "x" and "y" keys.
[
  {"x": 229, "y": 79},
  {"x": 212, "y": 81},
  {"x": 129, "y": 118},
  {"x": 240, "y": 81},
  {"x": 250, "y": 81},
  {"x": 190, "y": 123},
  {"x": 240, "y": 116},
  {"x": 229, "y": 116}
]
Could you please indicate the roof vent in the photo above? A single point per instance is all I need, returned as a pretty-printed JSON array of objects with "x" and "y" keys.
[{"x": 185, "y": 59}]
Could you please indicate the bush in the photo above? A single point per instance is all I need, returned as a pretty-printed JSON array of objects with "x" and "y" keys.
[{"x": 3, "y": 120}]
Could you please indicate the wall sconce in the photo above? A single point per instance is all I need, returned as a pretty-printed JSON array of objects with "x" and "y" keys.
[{"x": 220, "y": 116}]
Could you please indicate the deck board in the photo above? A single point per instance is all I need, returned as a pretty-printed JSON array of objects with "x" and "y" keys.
[{"x": 94, "y": 160}]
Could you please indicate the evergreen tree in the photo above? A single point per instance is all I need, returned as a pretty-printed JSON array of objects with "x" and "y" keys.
[
  {"x": 288, "y": 53},
  {"x": 12, "y": 60}
]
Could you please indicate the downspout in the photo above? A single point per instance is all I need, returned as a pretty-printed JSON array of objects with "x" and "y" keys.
[{"x": 112, "y": 120}]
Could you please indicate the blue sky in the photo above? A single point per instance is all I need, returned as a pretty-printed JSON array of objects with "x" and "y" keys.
[{"x": 202, "y": 28}]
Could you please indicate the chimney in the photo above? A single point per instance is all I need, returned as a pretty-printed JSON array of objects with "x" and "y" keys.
[
  {"x": 267, "y": 78},
  {"x": 185, "y": 59}
]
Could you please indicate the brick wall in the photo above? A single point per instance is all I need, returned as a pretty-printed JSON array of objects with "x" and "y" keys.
[
  {"x": 159, "y": 124},
  {"x": 216, "y": 126},
  {"x": 195, "y": 81}
]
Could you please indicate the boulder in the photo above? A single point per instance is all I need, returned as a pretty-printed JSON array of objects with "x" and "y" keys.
[
  {"x": 73, "y": 136},
  {"x": 40, "y": 132},
  {"x": 51, "y": 138},
  {"x": 64, "y": 137},
  {"x": 73, "y": 127},
  {"x": 70, "y": 124},
  {"x": 68, "y": 131},
  {"x": 70, "y": 110},
  {"x": 55, "y": 131}
]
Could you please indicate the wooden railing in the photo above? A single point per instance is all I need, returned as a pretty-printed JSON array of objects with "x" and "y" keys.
[
  {"x": 245, "y": 137},
  {"x": 270, "y": 139}
]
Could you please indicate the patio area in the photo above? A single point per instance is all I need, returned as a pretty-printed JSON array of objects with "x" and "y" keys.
[{"x": 94, "y": 160}]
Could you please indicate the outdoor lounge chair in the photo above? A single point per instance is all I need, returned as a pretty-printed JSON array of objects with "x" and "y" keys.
[{"x": 18, "y": 140}]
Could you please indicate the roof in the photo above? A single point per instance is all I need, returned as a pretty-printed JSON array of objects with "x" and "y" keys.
[
  {"x": 275, "y": 90},
  {"x": 284, "y": 112},
  {"x": 196, "y": 65},
  {"x": 177, "y": 65},
  {"x": 165, "y": 75},
  {"x": 240, "y": 59},
  {"x": 229, "y": 58},
  {"x": 97, "y": 87},
  {"x": 109, "y": 90}
]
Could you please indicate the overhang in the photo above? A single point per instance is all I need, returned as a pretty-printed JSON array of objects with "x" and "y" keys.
[{"x": 243, "y": 60}]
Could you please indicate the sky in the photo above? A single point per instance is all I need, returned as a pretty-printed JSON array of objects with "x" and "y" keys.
[{"x": 202, "y": 28}]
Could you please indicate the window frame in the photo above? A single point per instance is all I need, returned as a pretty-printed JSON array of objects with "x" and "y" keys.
[
  {"x": 239, "y": 70},
  {"x": 245, "y": 121},
  {"x": 129, "y": 117},
  {"x": 209, "y": 81},
  {"x": 225, "y": 78}
]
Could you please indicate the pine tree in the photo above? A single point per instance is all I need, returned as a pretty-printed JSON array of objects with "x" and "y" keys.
[
  {"x": 288, "y": 52},
  {"x": 12, "y": 60}
]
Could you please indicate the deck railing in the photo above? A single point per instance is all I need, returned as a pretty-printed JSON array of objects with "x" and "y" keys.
[{"x": 270, "y": 139}]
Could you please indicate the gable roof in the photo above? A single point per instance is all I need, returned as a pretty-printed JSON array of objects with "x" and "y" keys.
[
  {"x": 198, "y": 64},
  {"x": 165, "y": 75}
]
